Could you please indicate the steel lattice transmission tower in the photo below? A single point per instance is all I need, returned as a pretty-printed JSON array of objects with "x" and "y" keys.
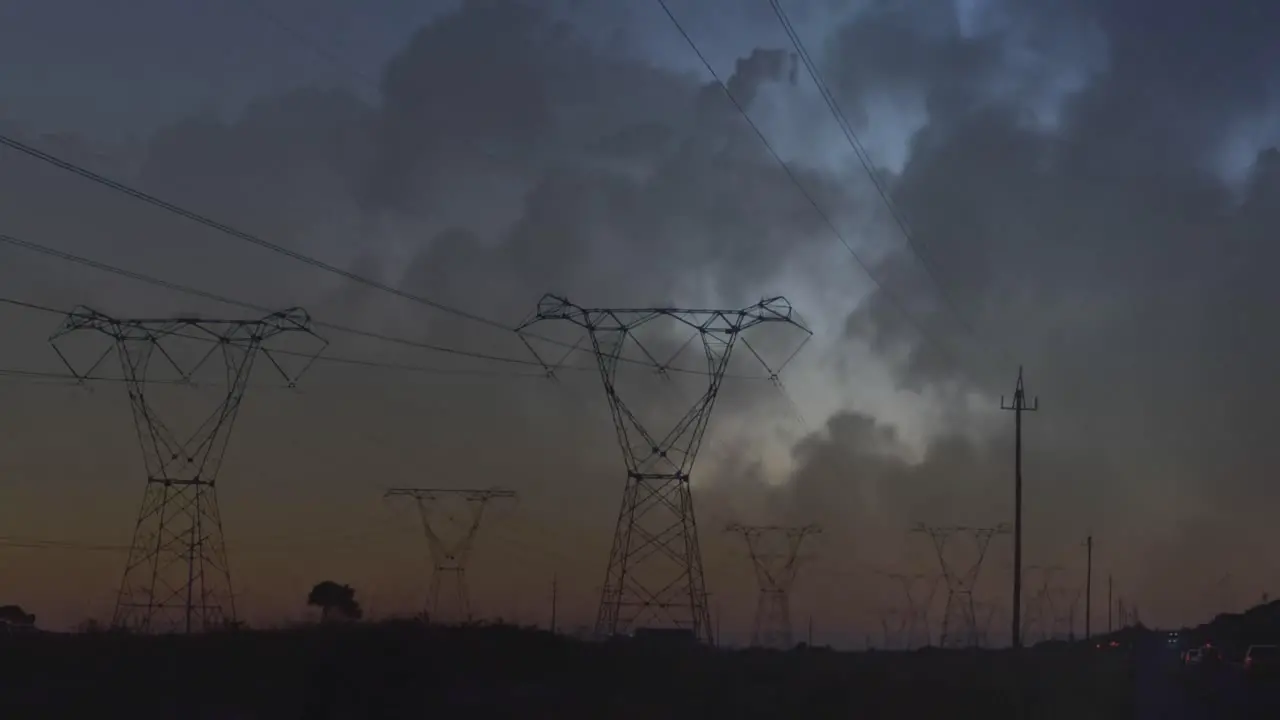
[
  {"x": 655, "y": 571},
  {"x": 893, "y": 624},
  {"x": 775, "y": 556},
  {"x": 916, "y": 616},
  {"x": 177, "y": 577},
  {"x": 960, "y": 606},
  {"x": 1039, "y": 611},
  {"x": 449, "y": 556},
  {"x": 984, "y": 615}
]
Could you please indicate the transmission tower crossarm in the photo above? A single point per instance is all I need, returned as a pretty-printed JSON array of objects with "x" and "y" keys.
[{"x": 428, "y": 493}]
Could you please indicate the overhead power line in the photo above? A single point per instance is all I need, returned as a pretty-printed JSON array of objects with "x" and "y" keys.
[
  {"x": 226, "y": 229},
  {"x": 186, "y": 289},
  {"x": 892, "y": 296},
  {"x": 168, "y": 285},
  {"x": 325, "y": 358},
  {"x": 196, "y": 292},
  {"x": 864, "y": 159}
]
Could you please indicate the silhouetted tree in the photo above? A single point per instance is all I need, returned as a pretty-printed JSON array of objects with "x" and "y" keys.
[{"x": 336, "y": 602}]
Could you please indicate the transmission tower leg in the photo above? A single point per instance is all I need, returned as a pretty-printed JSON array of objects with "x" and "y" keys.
[
  {"x": 698, "y": 604},
  {"x": 176, "y": 578},
  {"x": 615, "y": 574},
  {"x": 762, "y": 612},
  {"x": 647, "y": 537},
  {"x": 947, "y": 617},
  {"x": 786, "y": 637},
  {"x": 433, "y": 596},
  {"x": 464, "y": 596}
]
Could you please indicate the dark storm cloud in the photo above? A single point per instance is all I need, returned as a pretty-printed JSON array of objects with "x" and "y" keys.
[
  {"x": 511, "y": 155},
  {"x": 508, "y": 158},
  {"x": 1104, "y": 252}
]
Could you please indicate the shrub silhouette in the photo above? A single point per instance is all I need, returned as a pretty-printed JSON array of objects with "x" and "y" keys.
[
  {"x": 13, "y": 617},
  {"x": 336, "y": 602}
]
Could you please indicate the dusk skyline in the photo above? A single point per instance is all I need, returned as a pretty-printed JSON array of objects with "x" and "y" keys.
[{"x": 1090, "y": 189}]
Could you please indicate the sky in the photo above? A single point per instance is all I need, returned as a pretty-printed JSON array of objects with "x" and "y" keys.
[{"x": 1090, "y": 189}]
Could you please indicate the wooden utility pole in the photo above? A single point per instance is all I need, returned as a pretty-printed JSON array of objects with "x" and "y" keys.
[
  {"x": 1109, "y": 605},
  {"x": 1088, "y": 588},
  {"x": 1018, "y": 405},
  {"x": 555, "y": 591}
]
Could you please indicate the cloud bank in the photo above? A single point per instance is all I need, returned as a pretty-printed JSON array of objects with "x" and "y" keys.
[{"x": 1090, "y": 191}]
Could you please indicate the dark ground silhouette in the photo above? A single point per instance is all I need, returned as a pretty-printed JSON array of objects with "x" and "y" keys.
[
  {"x": 1235, "y": 632},
  {"x": 407, "y": 670}
]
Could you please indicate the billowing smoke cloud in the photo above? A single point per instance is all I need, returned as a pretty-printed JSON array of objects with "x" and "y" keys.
[{"x": 1066, "y": 183}]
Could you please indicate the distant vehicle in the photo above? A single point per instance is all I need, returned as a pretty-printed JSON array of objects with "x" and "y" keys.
[
  {"x": 1262, "y": 661},
  {"x": 1201, "y": 656}
]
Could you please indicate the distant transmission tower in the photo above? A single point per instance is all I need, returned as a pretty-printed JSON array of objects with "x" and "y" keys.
[
  {"x": 960, "y": 605},
  {"x": 654, "y": 574},
  {"x": 1070, "y": 605},
  {"x": 916, "y": 616},
  {"x": 1040, "y": 611},
  {"x": 985, "y": 614},
  {"x": 177, "y": 577},
  {"x": 775, "y": 555},
  {"x": 449, "y": 556},
  {"x": 893, "y": 624}
]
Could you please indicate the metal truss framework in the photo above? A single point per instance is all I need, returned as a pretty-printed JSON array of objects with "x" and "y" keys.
[
  {"x": 1040, "y": 613},
  {"x": 775, "y": 557},
  {"x": 654, "y": 573},
  {"x": 916, "y": 615},
  {"x": 985, "y": 614},
  {"x": 449, "y": 557},
  {"x": 960, "y": 606},
  {"x": 177, "y": 578},
  {"x": 893, "y": 624},
  {"x": 1068, "y": 604}
]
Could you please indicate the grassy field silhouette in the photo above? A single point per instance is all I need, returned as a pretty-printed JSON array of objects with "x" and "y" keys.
[{"x": 404, "y": 669}]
